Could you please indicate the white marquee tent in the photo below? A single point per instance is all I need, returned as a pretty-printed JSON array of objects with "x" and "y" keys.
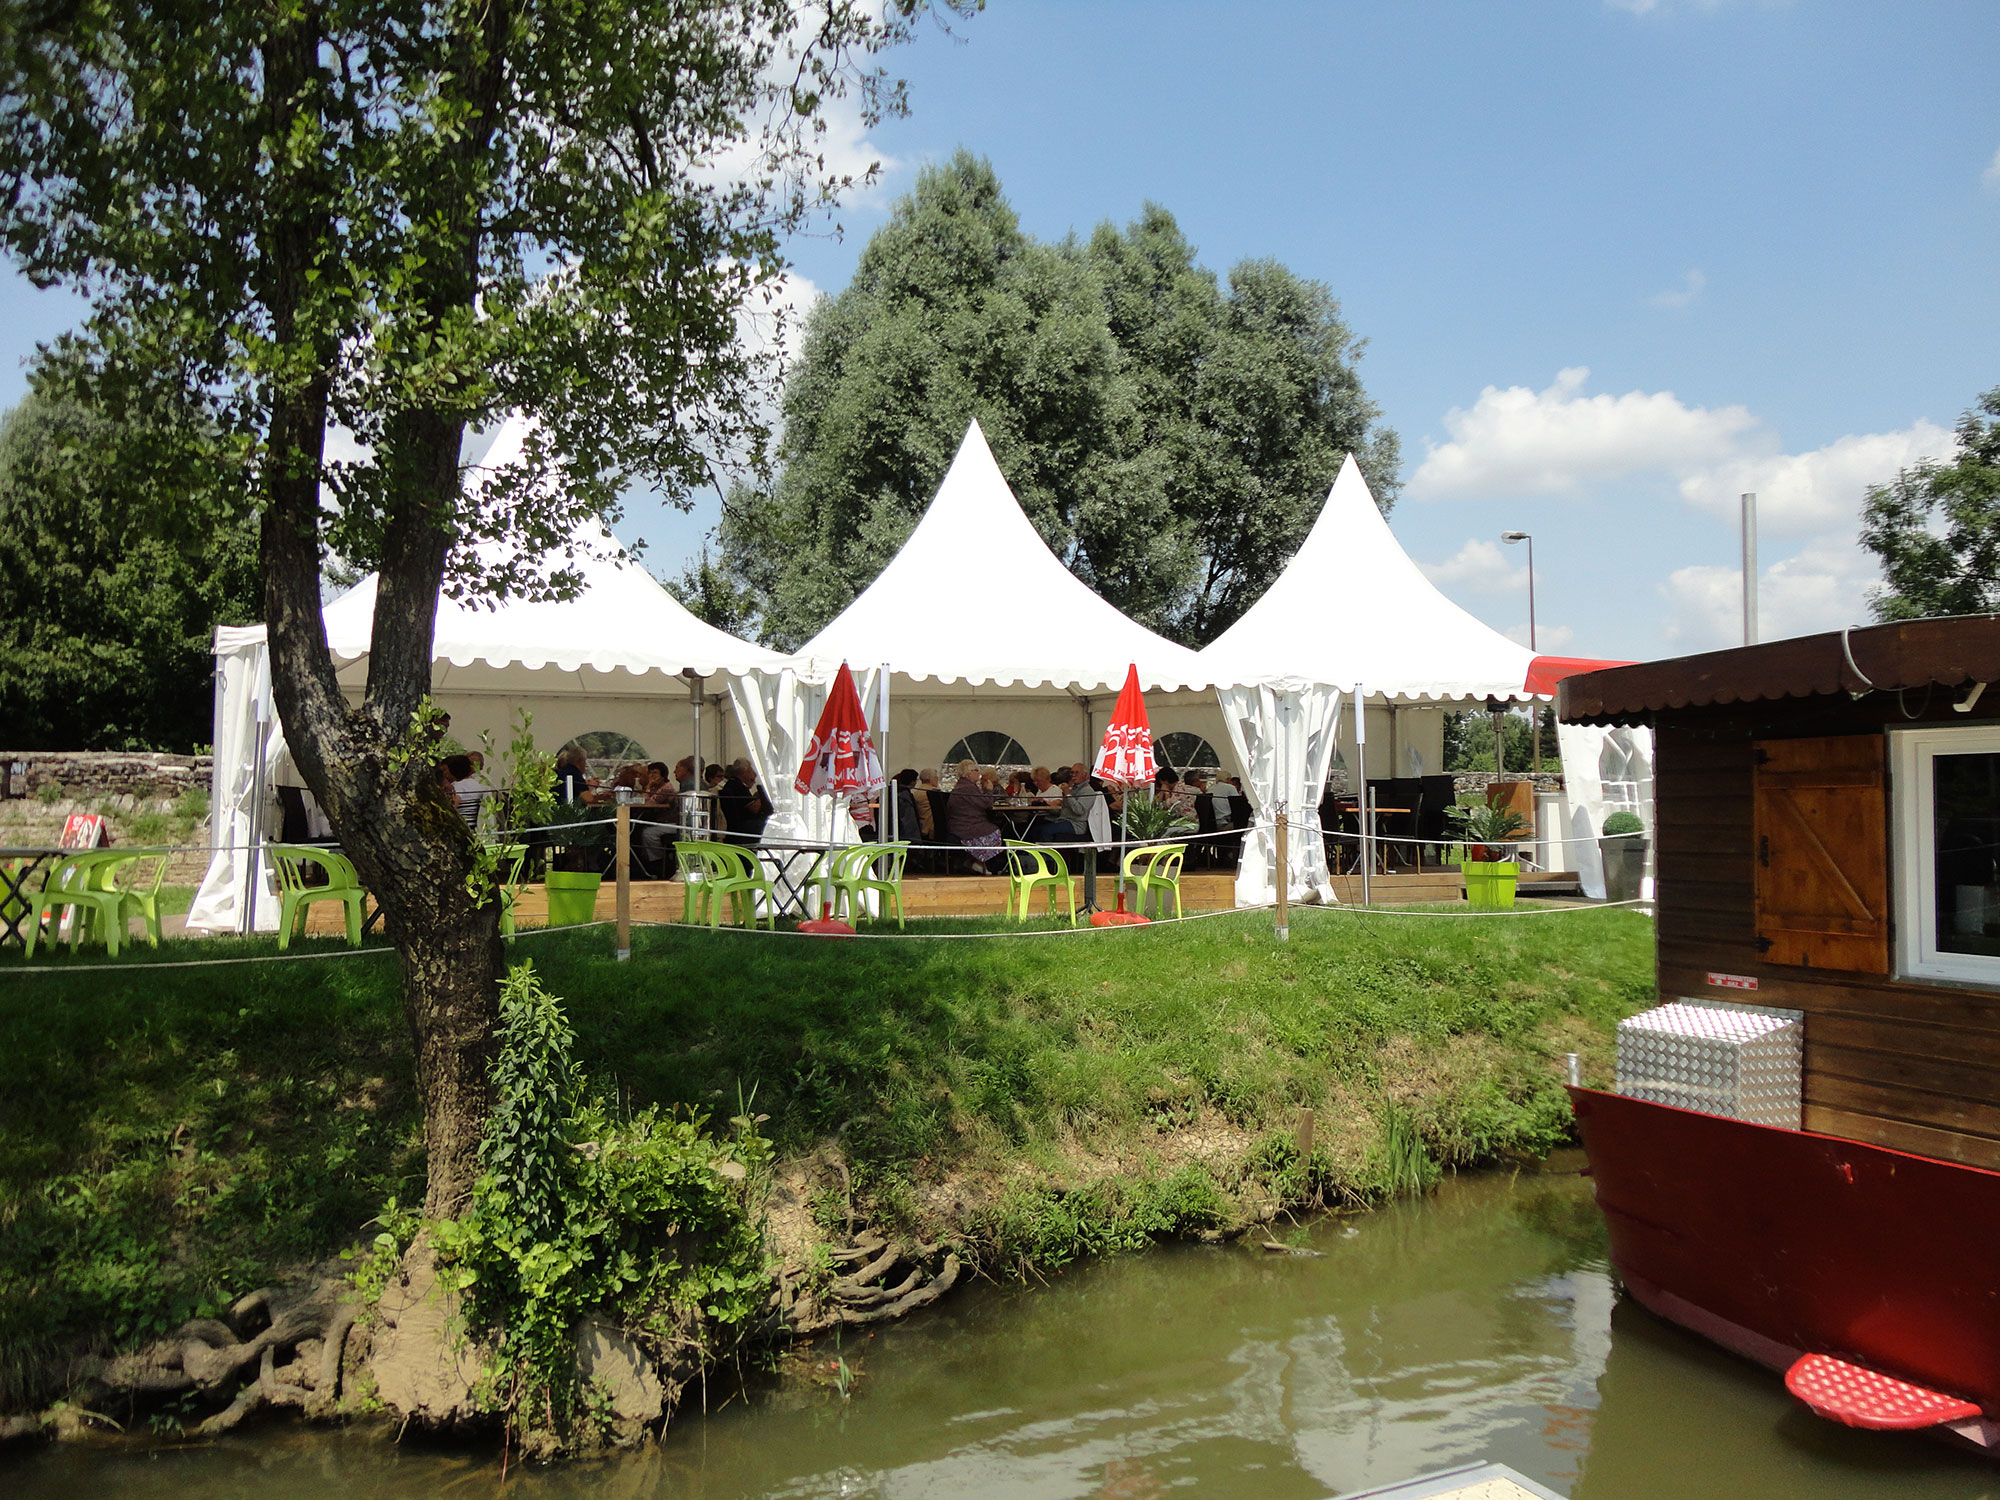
[
  {"x": 1352, "y": 609},
  {"x": 602, "y": 660}
]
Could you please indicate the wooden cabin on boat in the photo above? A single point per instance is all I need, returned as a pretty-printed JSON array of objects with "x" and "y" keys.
[{"x": 1827, "y": 854}]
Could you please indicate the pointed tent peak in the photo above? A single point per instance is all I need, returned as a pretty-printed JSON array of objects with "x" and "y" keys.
[
  {"x": 974, "y": 546},
  {"x": 1351, "y": 607}
]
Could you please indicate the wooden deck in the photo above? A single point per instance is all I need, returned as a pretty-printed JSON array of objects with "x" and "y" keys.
[{"x": 975, "y": 896}]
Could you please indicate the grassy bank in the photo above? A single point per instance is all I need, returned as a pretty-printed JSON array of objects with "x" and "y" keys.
[{"x": 171, "y": 1136}]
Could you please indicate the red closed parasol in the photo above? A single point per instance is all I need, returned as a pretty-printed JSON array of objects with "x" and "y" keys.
[
  {"x": 840, "y": 757},
  {"x": 1126, "y": 756}
]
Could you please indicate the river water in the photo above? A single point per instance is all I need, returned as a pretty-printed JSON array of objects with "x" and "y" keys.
[{"x": 1480, "y": 1323}]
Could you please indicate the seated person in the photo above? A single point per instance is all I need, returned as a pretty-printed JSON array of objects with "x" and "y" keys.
[
  {"x": 913, "y": 814},
  {"x": 744, "y": 803},
  {"x": 1043, "y": 791},
  {"x": 969, "y": 815},
  {"x": 1167, "y": 790},
  {"x": 684, "y": 773},
  {"x": 658, "y": 817},
  {"x": 864, "y": 817},
  {"x": 466, "y": 787},
  {"x": 1074, "y": 823},
  {"x": 573, "y": 778}
]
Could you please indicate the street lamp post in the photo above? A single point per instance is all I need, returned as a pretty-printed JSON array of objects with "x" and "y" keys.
[{"x": 1534, "y": 711}]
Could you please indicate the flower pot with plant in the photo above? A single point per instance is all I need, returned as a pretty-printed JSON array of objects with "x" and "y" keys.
[
  {"x": 1623, "y": 847},
  {"x": 1490, "y": 876}
]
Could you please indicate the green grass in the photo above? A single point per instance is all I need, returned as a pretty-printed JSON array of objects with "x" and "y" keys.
[{"x": 170, "y": 1135}]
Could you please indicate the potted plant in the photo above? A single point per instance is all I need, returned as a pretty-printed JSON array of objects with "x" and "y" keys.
[
  {"x": 576, "y": 853},
  {"x": 1490, "y": 876},
  {"x": 1623, "y": 847},
  {"x": 576, "y": 867}
]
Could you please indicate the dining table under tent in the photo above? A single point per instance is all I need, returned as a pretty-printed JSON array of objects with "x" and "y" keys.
[
  {"x": 622, "y": 654},
  {"x": 982, "y": 630},
  {"x": 1352, "y": 611}
]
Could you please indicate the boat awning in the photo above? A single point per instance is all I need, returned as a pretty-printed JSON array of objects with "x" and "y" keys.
[{"x": 1946, "y": 653}]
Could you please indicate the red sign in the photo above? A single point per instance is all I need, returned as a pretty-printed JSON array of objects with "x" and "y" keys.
[
  {"x": 82, "y": 831},
  {"x": 1733, "y": 981}
]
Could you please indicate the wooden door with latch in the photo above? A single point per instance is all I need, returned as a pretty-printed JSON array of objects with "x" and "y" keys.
[{"x": 1822, "y": 841}]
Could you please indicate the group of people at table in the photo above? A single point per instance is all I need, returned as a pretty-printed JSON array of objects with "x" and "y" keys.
[{"x": 980, "y": 811}]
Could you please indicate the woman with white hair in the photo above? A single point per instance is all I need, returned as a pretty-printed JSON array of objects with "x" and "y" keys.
[{"x": 969, "y": 816}]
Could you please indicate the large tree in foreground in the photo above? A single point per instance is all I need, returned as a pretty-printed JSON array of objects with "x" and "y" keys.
[
  {"x": 1171, "y": 436},
  {"x": 1936, "y": 527},
  {"x": 407, "y": 217}
]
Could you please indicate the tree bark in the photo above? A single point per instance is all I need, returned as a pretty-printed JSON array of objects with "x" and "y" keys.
[{"x": 374, "y": 777}]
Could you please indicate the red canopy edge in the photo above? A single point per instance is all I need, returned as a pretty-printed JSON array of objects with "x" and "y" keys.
[{"x": 1544, "y": 672}]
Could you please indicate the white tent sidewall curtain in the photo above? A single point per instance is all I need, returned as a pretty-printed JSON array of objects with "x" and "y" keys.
[
  {"x": 241, "y": 665},
  {"x": 1604, "y": 771},
  {"x": 1284, "y": 734}
]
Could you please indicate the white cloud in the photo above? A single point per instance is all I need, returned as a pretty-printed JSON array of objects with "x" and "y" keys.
[
  {"x": 1548, "y": 638},
  {"x": 1801, "y": 493},
  {"x": 1479, "y": 567},
  {"x": 1991, "y": 176},
  {"x": 1518, "y": 441},
  {"x": 1824, "y": 587},
  {"x": 1692, "y": 286}
]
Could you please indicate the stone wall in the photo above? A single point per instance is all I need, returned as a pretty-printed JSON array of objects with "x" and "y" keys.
[{"x": 84, "y": 775}]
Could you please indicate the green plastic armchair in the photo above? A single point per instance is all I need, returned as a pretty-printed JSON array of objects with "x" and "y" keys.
[
  {"x": 713, "y": 871},
  {"x": 510, "y": 874},
  {"x": 850, "y": 873},
  {"x": 142, "y": 894},
  {"x": 1030, "y": 867},
  {"x": 292, "y": 862},
  {"x": 1155, "y": 869},
  {"x": 82, "y": 884}
]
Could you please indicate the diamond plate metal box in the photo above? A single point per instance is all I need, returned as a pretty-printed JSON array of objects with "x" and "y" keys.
[{"x": 1742, "y": 1061}]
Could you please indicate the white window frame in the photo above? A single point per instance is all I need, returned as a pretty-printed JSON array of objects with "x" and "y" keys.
[{"x": 1911, "y": 804}]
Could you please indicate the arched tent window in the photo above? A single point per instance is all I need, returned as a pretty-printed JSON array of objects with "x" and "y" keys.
[
  {"x": 990, "y": 747},
  {"x": 608, "y": 749},
  {"x": 1186, "y": 752}
]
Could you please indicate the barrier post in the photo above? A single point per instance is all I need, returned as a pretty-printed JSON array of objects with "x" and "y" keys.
[
  {"x": 624, "y": 882},
  {"x": 1284, "y": 880}
]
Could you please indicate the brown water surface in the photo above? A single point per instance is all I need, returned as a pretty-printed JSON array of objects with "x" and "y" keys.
[{"x": 1478, "y": 1324}]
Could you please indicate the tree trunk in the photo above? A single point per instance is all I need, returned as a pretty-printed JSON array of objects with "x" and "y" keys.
[{"x": 372, "y": 767}]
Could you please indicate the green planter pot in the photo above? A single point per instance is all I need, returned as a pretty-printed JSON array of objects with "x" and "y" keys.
[
  {"x": 1489, "y": 884},
  {"x": 572, "y": 897}
]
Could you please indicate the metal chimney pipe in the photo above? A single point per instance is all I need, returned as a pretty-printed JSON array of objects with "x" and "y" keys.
[{"x": 1750, "y": 570}]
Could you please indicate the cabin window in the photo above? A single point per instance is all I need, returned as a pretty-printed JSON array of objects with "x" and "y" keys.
[{"x": 1948, "y": 853}]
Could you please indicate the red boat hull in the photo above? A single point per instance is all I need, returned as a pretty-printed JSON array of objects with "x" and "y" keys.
[{"x": 1777, "y": 1243}]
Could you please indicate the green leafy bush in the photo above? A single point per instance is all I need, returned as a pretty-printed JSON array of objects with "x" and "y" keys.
[
  {"x": 1623, "y": 822},
  {"x": 641, "y": 1223},
  {"x": 1143, "y": 818}
]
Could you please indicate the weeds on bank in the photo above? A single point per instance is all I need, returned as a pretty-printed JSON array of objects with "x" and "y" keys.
[{"x": 170, "y": 1137}]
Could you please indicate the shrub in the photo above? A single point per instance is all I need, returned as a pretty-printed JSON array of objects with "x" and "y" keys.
[
  {"x": 641, "y": 1223},
  {"x": 1622, "y": 822}
]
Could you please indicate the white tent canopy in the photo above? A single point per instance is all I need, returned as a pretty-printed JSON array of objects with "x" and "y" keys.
[
  {"x": 1351, "y": 608},
  {"x": 976, "y": 596},
  {"x": 596, "y": 661}
]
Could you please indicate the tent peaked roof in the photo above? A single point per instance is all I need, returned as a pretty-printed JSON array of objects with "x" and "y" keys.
[
  {"x": 621, "y": 620},
  {"x": 976, "y": 595},
  {"x": 1351, "y": 607}
]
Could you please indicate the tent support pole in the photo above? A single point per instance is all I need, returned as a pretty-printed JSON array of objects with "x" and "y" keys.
[
  {"x": 624, "y": 882},
  {"x": 1284, "y": 877}
]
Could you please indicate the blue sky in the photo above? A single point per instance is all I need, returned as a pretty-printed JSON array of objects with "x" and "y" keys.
[{"x": 1616, "y": 260}]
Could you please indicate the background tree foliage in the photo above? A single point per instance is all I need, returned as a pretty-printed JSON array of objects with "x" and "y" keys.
[
  {"x": 114, "y": 573},
  {"x": 1936, "y": 527},
  {"x": 1170, "y": 437}
]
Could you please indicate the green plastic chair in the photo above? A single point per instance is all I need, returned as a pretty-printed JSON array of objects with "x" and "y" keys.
[
  {"x": 511, "y": 874},
  {"x": 714, "y": 870},
  {"x": 849, "y": 873},
  {"x": 343, "y": 884},
  {"x": 1031, "y": 867},
  {"x": 142, "y": 897},
  {"x": 1155, "y": 868},
  {"x": 82, "y": 883}
]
